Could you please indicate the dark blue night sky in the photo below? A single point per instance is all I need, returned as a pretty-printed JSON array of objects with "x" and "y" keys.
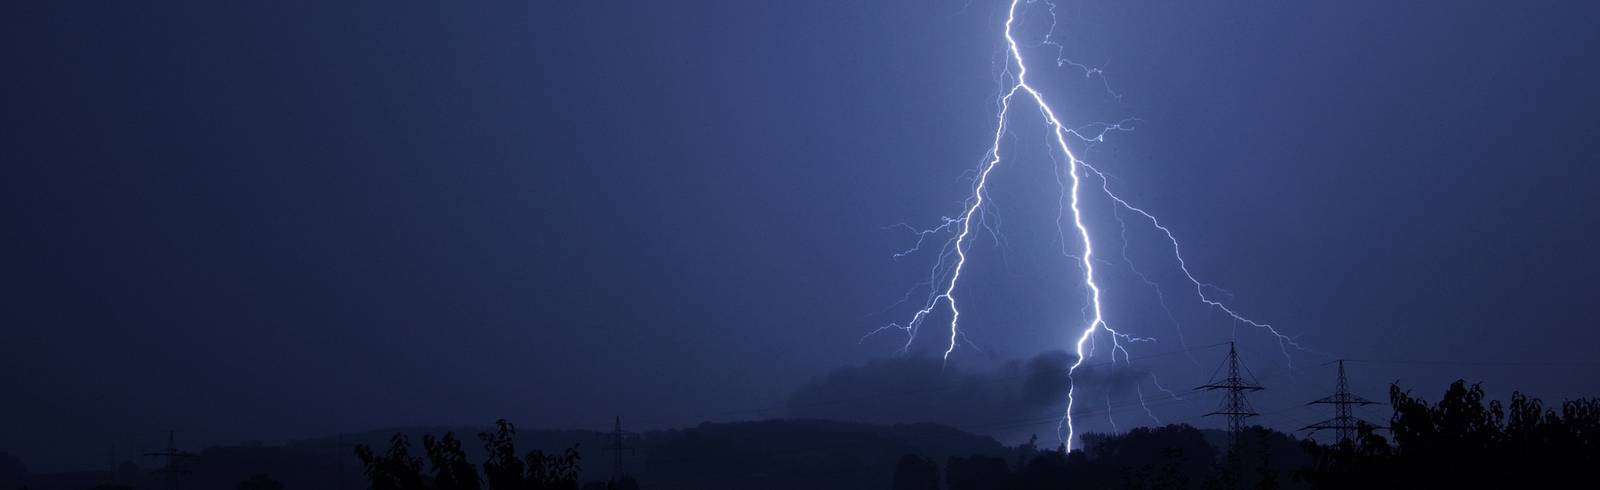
[{"x": 295, "y": 219}]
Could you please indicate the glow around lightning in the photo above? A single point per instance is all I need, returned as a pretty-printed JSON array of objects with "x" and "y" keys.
[{"x": 951, "y": 258}]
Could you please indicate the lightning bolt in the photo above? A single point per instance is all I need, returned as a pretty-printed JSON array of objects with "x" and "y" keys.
[
  {"x": 947, "y": 277},
  {"x": 951, "y": 259},
  {"x": 1060, "y": 132}
]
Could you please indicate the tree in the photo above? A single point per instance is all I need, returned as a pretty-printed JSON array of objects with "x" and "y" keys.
[
  {"x": 451, "y": 470},
  {"x": 1268, "y": 474},
  {"x": 1059, "y": 469},
  {"x": 916, "y": 473},
  {"x": 1362, "y": 463},
  {"x": 395, "y": 469},
  {"x": 260, "y": 481},
  {"x": 1464, "y": 442},
  {"x": 504, "y": 469},
  {"x": 538, "y": 471},
  {"x": 1173, "y": 456},
  {"x": 976, "y": 472},
  {"x": 553, "y": 472}
]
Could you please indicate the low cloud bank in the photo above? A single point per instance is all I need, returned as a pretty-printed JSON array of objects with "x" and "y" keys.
[{"x": 1010, "y": 400}]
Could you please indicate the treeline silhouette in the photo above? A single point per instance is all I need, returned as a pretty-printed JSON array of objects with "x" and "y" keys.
[
  {"x": 1464, "y": 441},
  {"x": 1460, "y": 442},
  {"x": 449, "y": 468}
]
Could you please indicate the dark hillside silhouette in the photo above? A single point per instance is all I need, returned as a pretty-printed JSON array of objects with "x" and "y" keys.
[{"x": 1464, "y": 440}]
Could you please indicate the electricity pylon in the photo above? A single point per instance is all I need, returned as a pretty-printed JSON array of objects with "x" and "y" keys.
[
  {"x": 1344, "y": 422},
  {"x": 1234, "y": 404},
  {"x": 618, "y": 471},
  {"x": 175, "y": 459}
]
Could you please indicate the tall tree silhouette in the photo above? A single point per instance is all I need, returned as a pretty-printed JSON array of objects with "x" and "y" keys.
[
  {"x": 538, "y": 471},
  {"x": 395, "y": 469},
  {"x": 451, "y": 470}
]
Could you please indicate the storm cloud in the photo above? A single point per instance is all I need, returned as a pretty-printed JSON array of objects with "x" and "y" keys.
[{"x": 1010, "y": 400}]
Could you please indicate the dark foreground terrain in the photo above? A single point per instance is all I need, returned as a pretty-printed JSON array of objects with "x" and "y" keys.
[{"x": 1463, "y": 440}]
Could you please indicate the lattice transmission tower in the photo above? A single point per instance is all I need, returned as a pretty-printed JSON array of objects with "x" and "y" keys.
[
  {"x": 1344, "y": 421},
  {"x": 174, "y": 464},
  {"x": 1234, "y": 404}
]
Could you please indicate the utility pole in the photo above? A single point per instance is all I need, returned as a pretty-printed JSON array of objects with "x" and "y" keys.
[
  {"x": 1344, "y": 422},
  {"x": 1234, "y": 404},
  {"x": 618, "y": 472},
  {"x": 174, "y": 461}
]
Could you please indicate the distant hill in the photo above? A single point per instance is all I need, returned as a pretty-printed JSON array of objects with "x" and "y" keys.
[
  {"x": 773, "y": 454},
  {"x": 783, "y": 454}
]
